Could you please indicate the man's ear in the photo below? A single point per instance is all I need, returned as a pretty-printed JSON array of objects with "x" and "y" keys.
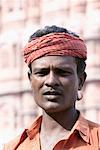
[{"x": 82, "y": 79}]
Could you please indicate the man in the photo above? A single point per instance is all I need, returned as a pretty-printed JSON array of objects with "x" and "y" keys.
[{"x": 56, "y": 60}]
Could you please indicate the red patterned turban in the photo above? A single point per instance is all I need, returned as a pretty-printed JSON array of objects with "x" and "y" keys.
[{"x": 59, "y": 44}]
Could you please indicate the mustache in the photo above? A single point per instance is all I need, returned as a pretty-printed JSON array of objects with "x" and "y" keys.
[{"x": 50, "y": 91}]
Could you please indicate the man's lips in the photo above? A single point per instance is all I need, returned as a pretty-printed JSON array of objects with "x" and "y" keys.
[{"x": 52, "y": 93}]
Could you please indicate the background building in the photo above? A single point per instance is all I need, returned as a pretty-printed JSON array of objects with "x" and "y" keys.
[{"x": 18, "y": 20}]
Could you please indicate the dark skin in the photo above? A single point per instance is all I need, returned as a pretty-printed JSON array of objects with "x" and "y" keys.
[{"x": 55, "y": 84}]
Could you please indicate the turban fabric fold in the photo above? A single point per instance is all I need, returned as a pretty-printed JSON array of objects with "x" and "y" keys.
[{"x": 60, "y": 44}]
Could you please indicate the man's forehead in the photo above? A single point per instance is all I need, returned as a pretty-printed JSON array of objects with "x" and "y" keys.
[{"x": 53, "y": 61}]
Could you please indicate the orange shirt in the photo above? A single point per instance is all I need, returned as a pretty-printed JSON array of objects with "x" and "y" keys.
[{"x": 85, "y": 135}]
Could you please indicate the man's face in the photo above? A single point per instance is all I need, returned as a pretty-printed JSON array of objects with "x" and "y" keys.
[{"x": 54, "y": 82}]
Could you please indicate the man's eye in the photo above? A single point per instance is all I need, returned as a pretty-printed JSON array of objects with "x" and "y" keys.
[
  {"x": 41, "y": 73},
  {"x": 64, "y": 72}
]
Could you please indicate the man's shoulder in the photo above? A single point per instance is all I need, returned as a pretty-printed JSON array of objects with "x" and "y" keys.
[
  {"x": 12, "y": 144},
  {"x": 93, "y": 124},
  {"x": 94, "y": 132},
  {"x": 94, "y": 127},
  {"x": 90, "y": 126}
]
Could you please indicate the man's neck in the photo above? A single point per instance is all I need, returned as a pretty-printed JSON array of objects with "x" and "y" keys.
[
  {"x": 56, "y": 124},
  {"x": 64, "y": 119}
]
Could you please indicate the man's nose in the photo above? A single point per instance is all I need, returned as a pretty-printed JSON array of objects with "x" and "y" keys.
[{"x": 52, "y": 80}]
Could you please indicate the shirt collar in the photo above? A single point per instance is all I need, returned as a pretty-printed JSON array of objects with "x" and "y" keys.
[
  {"x": 81, "y": 126},
  {"x": 35, "y": 128}
]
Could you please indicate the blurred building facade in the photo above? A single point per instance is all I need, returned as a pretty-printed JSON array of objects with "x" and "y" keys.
[{"x": 18, "y": 20}]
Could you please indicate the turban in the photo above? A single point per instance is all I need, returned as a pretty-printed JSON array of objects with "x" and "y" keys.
[{"x": 59, "y": 44}]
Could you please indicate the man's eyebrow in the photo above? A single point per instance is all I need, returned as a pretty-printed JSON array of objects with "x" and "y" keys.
[
  {"x": 67, "y": 69},
  {"x": 63, "y": 67},
  {"x": 39, "y": 68}
]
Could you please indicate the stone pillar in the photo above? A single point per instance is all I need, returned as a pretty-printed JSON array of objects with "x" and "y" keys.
[
  {"x": 54, "y": 12},
  {"x": 92, "y": 36},
  {"x": 77, "y": 15}
]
